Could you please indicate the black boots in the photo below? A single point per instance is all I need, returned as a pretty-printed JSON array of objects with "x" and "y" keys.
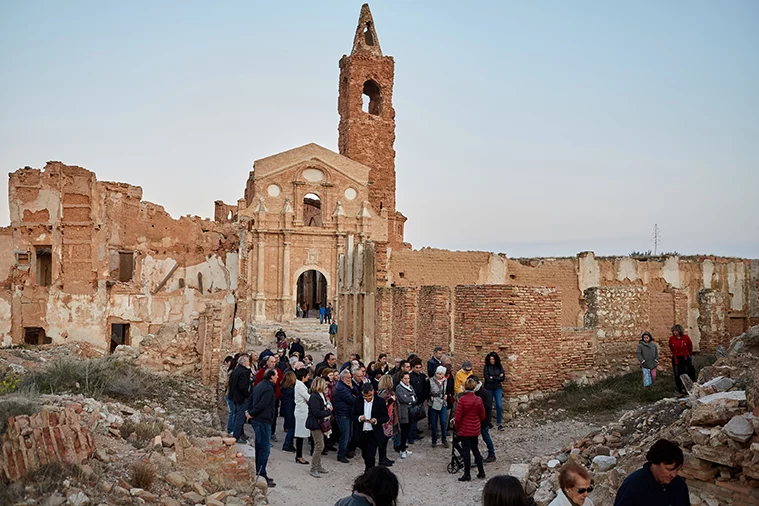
[
  {"x": 466, "y": 477},
  {"x": 481, "y": 473}
]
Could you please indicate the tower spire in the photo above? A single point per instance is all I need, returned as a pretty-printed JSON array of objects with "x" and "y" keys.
[{"x": 366, "y": 36}]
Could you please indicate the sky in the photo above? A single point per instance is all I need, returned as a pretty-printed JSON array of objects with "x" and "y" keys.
[{"x": 525, "y": 128}]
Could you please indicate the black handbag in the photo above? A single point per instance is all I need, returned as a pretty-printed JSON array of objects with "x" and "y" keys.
[{"x": 416, "y": 412}]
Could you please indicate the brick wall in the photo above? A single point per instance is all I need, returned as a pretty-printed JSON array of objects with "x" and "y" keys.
[
  {"x": 713, "y": 306},
  {"x": 433, "y": 319},
  {"x": 45, "y": 437},
  {"x": 404, "y": 309}
]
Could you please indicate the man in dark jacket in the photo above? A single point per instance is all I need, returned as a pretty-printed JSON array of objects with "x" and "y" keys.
[
  {"x": 421, "y": 386},
  {"x": 487, "y": 401},
  {"x": 271, "y": 363},
  {"x": 657, "y": 482},
  {"x": 261, "y": 414},
  {"x": 330, "y": 360},
  {"x": 239, "y": 391},
  {"x": 434, "y": 361},
  {"x": 343, "y": 399},
  {"x": 297, "y": 347},
  {"x": 369, "y": 412}
]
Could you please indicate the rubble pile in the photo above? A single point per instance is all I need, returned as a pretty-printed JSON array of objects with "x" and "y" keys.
[{"x": 717, "y": 426}]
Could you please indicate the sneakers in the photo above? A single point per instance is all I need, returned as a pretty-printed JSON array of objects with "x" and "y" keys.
[
  {"x": 315, "y": 474},
  {"x": 500, "y": 427},
  {"x": 489, "y": 459},
  {"x": 404, "y": 455},
  {"x": 322, "y": 470}
]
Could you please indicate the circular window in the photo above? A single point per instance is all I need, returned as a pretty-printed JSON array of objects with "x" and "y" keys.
[
  {"x": 313, "y": 175},
  {"x": 351, "y": 193},
  {"x": 274, "y": 190}
]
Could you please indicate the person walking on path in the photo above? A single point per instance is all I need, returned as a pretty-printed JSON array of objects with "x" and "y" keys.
[
  {"x": 485, "y": 427},
  {"x": 328, "y": 313},
  {"x": 322, "y": 313},
  {"x": 657, "y": 483},
  {"x": 370, "y": 413},
  {"x": 494, "y": 377},
  {"x": 261, "y": 414},
  {"x": 239, "y": 392},
  {"x": 301, "y": 413},
  {"x": 404, "y": 394},
  {"x": 470, "y": 413},
  {"x": 318, "y": 410},
  {"x": 438, "y": 406},
  {"x": 648, "y": 356},
  {"x": 682, "y": 357}
]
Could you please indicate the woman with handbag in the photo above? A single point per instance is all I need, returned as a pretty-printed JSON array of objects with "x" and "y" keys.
[
  {"x": 470, "y": 413},
  {"x": 404, "y": 393},
  {"x": 387, "y": 394},
  {"x": 319, "y": 411},
  {"x": 648, "y": 356},
  {"x": 438, "y": 405}
]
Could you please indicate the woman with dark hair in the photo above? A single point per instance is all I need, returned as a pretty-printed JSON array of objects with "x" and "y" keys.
[
  {"x": 505, "y": 490},
  {"x": 494, "y": 377},
  {"x": 225, "y": 371},
  {"x": 648, "y": 356},
  {"x": 405, "y": 396},
  {"x": 318, "y": 410},
  {"x": 378, "y": 486},
  {"x": 470, "y": 413},
  {"x": 682, "y": 357},
  {"x": 287, "y": 409}
]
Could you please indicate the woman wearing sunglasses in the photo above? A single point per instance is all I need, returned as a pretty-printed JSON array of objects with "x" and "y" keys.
[{"x": 574, "y": 486}]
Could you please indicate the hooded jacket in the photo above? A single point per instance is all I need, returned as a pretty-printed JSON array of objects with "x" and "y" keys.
[
  {"x": 459, "y": 380},
  {"x": 648, "y": 354}
]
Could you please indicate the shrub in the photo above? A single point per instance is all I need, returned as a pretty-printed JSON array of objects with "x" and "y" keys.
[
  {"x": 143, "y": 475},
  {"x": 143, "y": 431},
  {"x": 100, "y": 377},
  {"x": 15, "y": 405}
]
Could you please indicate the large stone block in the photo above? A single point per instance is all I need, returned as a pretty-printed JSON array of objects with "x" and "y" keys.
[{"x": 739, "y": 429}]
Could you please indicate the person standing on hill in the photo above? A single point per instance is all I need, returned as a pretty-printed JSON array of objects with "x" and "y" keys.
[
  {"x": 648, "y": 356},
  {"x": 682, "y": 357}
]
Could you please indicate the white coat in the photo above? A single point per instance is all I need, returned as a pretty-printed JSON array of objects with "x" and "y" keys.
[
  {"x": 563, "y": 500},
  {"x": 301, "y": 409}
]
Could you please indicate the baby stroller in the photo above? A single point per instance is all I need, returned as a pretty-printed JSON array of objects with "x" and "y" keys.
[{"x": 457, "y": 462}]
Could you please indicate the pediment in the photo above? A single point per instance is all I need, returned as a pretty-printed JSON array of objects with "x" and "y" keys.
[{"x": 311, "y": 155}]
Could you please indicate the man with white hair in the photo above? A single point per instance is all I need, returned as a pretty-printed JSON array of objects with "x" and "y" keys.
[{"x": 343, "y": 399}]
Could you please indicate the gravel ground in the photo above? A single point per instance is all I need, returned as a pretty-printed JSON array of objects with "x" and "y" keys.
[{"x": 423, "y": 476}]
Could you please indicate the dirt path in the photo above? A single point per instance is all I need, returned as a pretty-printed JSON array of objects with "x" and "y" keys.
[{"x": 423, "y": 476}]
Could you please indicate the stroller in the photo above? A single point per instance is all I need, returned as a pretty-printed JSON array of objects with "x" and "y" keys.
[{"x": 457, "y": 462}]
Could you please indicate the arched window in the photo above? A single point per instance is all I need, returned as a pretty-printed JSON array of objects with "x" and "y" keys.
[
  {"x": 368, "y": 37},
  {"x": 372, "y": 99},
  {"x": 312, "y": 210}
]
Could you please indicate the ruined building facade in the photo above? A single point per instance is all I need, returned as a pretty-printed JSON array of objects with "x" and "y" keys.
[{"x": 88, "y": 260}]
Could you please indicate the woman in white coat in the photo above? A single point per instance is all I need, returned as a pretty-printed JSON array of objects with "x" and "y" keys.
[{"x": 301, "y": 413}]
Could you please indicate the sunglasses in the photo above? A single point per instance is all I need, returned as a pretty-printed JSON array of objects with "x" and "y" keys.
[{"x": 584, "y": 490}]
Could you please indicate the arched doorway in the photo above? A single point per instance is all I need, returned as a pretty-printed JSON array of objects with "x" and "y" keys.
[
  {"x": 312, "y": 290},
  {"x": 312, "y": 210}
]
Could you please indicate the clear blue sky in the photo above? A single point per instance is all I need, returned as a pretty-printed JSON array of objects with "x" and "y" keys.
[{"x": 530, "y": 128}]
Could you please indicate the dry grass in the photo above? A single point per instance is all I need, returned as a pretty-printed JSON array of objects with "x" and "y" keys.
[
  {"x": 44, "y": 480},
  {"x": 143, "y": 475},
  {"x": 14, "y": 405},
  {"x": 144, "y": 431}
]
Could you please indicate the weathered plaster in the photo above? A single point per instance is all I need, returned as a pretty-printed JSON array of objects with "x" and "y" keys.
[
  {"x": 707, "y": 269},
  {"x": 736, "y": 280},
  {"x": 671, "y": 272},
  {"x": 627, "y": 268},
  {"x": 589, "y": 271},
  {"x": 5, "y": 322},
  {"x": 496, "y": 273}
]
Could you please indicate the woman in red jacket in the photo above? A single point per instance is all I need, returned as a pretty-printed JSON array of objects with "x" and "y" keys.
[
  {"x": 682, "y": 352},
  {"x": 470, "y": 413}
]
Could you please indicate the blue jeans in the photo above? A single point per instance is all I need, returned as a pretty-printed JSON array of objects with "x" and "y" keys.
[
  {"x": 346, "y": 430},
  {"x": 496, "y": 397},
  {"x": 237, "y": 431},
  {"x": 321, "y": 317},
  {"x": 435, "y": 417},
  {"x": 263, "y": 447},
  {"x": 231, "y": 417},
  {"x": 289, "y": 438},
  {"x": 488, "y": 440}
]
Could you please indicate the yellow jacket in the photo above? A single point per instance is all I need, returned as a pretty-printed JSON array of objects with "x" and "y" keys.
[{"x": 459, "y": 380}]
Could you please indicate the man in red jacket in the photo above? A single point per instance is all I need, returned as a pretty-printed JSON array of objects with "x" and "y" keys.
[
  {"x": 470, "y": 413},
  {"x": 271, "y": 363},
  {"x": 682, "y": 357}
]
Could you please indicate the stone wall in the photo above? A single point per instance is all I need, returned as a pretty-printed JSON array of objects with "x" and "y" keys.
[{"x": 45, "y": 437}]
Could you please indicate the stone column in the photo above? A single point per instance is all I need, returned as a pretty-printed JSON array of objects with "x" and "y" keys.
[
  {"x": 260, "y": 279},
  {"x": 286, "y": 303}
]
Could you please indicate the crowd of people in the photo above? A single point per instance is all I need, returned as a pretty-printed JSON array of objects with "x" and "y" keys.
[{"x": 351, "y": 406}]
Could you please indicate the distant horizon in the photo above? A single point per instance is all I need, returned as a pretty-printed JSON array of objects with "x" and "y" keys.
[{"x": 524, "y": 130}]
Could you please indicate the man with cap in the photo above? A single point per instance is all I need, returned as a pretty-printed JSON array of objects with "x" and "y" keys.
[{"x": 461, "y": 377}]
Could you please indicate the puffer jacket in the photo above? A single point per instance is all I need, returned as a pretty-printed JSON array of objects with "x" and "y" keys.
[
  {"x": 470, "y": 412},
  {"x": 648, "y": 354}
]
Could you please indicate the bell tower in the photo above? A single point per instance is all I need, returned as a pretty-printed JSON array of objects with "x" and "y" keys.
[{"x": 367, "y": 119}]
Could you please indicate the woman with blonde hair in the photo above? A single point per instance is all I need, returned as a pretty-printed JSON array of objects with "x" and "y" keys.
[
  {"x": 387, "y": 393},
  {"x": 318, "y": 409}
]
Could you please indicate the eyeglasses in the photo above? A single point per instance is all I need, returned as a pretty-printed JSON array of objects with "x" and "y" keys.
[{"x": 585, "y": 490}]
